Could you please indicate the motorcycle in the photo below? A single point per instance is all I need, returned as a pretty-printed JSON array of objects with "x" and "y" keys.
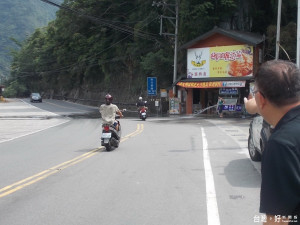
[
  {"x": 143, "y": 113},
  {"x": 111, "y": 135}
]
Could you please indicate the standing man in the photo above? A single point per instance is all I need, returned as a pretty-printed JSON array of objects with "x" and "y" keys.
[
  {"x": 220, "y": 106},
  {"x": 277, "y": 99}
]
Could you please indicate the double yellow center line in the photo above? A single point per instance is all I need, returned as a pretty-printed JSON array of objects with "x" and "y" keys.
[
  {"x": 140, "y": 128},
  {"x": 46, "y": 173}
]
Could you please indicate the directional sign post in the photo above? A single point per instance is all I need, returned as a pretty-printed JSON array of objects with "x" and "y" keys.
[{"x": 152, "y": 86}]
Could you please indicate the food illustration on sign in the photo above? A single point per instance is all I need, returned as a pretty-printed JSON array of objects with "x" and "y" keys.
[{"x": 242, "y": 66}]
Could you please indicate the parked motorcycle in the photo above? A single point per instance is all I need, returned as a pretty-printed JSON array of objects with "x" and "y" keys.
[
  {"x": 111, "y": 136},
  {"x": 143, "y": 113}
]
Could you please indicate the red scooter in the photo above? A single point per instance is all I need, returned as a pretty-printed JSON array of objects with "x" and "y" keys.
[{"x": 143, "y": 113}]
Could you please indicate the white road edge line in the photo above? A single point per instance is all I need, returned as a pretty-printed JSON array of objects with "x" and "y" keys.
[
  {"x": 211, "y": 198},
  {"x": 42, "y": 110},
  {"x": 36, "y": 131},
  {"x": 33, "y": 132}
]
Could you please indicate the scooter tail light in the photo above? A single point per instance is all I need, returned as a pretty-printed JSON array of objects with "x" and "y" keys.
[{"x": 106, "y": 128}]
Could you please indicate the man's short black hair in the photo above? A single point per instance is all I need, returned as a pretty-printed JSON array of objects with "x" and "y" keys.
[{"x": 279, "y": 82}]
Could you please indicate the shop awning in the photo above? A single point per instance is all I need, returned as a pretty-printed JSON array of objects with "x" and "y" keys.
[{"x": 213, "y": 82}]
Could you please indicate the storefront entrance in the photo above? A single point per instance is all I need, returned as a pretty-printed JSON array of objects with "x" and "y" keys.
[{"x": 203, "y": 98}]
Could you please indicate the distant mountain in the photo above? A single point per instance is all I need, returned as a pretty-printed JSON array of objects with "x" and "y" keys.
[{"x": 19, "y": 19}]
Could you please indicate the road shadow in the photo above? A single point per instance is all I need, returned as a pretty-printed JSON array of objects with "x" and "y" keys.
[{"x": 242, "y": 173}]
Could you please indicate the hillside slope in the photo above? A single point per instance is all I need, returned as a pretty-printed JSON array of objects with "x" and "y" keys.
[{"x": 19, "y": 19}]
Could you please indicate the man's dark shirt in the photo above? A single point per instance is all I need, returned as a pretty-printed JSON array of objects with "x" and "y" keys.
[
  {"x": 140, "y": 103},
  {"x": 280, "y": 188}
]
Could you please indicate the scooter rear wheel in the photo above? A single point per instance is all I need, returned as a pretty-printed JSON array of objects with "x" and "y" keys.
[{"x": 108, "y": 147}]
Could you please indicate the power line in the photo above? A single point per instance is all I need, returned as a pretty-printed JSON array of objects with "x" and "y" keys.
[
  {"x": 66, "y": 68},
  {"x": 48, "y": 62},
  {"x": 127, "y": 30}
]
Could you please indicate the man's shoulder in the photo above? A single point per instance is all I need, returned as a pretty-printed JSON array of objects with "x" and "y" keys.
[
  {"x": 286, "y": 137},
  {"x": 290, "y": 126},
  {"x": 114, "y": 107}
]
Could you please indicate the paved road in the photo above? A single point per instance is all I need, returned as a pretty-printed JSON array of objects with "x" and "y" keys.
[
  {"x": 18, "y": 117},
  {"x": 166, "y": 171}
]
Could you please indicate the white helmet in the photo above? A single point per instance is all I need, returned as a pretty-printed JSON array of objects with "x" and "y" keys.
[{"x": 140, "y": 98}]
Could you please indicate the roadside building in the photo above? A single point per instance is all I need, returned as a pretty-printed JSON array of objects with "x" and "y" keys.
[
  {"x": 1, "y": 89},
  {"x": 219, "y": 63}
]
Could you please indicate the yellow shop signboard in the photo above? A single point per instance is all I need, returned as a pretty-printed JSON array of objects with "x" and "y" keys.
[{"x": 223, "y": 61}]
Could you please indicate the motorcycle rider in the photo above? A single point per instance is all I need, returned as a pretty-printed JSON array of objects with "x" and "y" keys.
[
  {"x": 108, "y": 112},
  {"x": 140, "y": 102}
]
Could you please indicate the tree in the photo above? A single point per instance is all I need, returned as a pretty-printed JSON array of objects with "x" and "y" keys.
[
  {"x": 18, "y": 21},
  {"x": 112, "y": 46}
]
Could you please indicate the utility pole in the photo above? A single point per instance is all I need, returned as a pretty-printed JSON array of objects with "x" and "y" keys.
[
  {"x": 298, "y": 36},
  {"x": 175, "y": 48},
  {"x": 176, "y": 18},
  {"x": 278, "y": 29}
]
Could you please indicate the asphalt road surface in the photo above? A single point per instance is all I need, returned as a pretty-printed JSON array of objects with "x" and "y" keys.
[
  {"x": 63, "y": 108},
  {"x": 167, "y": 171}
]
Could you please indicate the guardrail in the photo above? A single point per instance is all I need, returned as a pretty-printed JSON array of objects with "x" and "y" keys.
[{"x": 93, "y": 101}]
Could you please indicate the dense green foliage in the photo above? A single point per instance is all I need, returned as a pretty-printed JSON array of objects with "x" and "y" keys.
[
  {"x": 96, "y": 46},
  {"x": 18, "y": 20}
]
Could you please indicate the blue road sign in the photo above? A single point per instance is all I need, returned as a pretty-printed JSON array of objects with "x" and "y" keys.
[{"x": 152, "y": 86}]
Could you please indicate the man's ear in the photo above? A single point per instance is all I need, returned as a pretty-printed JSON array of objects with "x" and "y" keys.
[{"x": 262, "y": 101}]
